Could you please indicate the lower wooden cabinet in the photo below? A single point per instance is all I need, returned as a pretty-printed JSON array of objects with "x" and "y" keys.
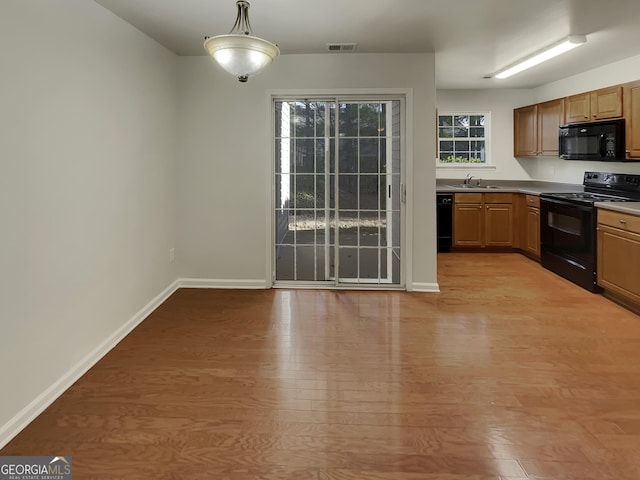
[
  {"x": 619, "y": 254},
  {"x": 533, "y": 232},
  {"x": 468, "y": 222},
  {"x": 531, "y": 226},
  {"x": 483, "y": 220},
  {"x": 498, "y": 221}
]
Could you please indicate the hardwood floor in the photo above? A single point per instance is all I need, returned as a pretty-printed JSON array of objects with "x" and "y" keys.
[{"x": 510, "y": 373}]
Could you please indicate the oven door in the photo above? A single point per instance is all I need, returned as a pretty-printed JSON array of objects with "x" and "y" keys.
[{"x": 568, "y": 240}]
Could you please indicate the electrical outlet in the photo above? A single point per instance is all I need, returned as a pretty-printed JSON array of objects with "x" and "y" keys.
[{"x": 172, "y": 254}]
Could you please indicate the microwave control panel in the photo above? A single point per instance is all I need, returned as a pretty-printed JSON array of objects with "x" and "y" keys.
[{"x": 610, "y": 145}]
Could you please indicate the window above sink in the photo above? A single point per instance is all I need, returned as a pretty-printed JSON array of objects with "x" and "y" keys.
[{"x": 464, "y": 139}]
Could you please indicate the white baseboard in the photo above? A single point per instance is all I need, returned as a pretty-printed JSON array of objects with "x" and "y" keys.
[
  {"x": 425, "y": 287},
  {"x": 46, "y": 398},
  {"x": 221, "y": 283}
]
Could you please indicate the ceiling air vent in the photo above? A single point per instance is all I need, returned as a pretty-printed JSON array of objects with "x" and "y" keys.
[{"x": 341, "y": 47}]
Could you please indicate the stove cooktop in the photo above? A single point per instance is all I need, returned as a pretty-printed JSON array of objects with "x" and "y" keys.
[
  {"x": 588, "y": 197},
  {"x": 603, "y": 187}
]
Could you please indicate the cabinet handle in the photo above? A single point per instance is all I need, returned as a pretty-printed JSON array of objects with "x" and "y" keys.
[
  {"x": 623, "y": 221},
  {"x": 594, "y": 114}
]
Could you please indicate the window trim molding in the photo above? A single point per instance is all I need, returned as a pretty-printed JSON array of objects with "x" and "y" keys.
[{"x": 488, "y": 164}]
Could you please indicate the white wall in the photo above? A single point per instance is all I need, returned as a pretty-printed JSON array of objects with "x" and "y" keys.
[
  {"x": 500, "y": 102},
  {"x": 87, "y": 126},
  {"x": 224, "y": 155},
  {"x": 616, "y": 73}
]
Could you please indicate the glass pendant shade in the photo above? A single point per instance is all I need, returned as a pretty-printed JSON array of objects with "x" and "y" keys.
[
  {"x": 241, "y": 55},
  {"x": 238, "y": 52}
]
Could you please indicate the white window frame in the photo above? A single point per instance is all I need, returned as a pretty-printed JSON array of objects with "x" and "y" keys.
[{"x": 487, "y": 139}]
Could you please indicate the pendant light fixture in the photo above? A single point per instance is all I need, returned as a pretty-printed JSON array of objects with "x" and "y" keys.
[{"x": 240, "y": 53}]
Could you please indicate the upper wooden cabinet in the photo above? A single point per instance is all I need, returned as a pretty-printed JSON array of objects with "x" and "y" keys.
[
  {"x": 525, "y": 131},
  {"x": 597, "y": 105},
  {"x": 536, "y": 128},
  {"x": 578, "y": 108},
  {"x": 550, "y": 117},
  {"x": 632, "y": 118},
  {"x": 606, "y": 103}
]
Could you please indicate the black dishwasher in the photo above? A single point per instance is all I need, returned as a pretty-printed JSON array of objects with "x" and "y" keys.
[{"x": 444, "y": 218}]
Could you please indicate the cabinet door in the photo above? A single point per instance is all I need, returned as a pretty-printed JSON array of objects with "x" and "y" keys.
[
  {"x": 632, "y": 118},
  {"x": 550, "y": 117},
  {"x": 578, "y": 108},
  {"x": 525, "y": 131},
  {"x": 498, "y": 225},
  {"x": 533, "y": 231},
  {"x": 467, "y": 225},
  {"x": 619, "y": 262},
  {"x": 606, "y": 103}
]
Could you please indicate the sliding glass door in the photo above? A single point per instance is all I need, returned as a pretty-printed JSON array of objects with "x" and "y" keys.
[{"x": 338, "y": 192}]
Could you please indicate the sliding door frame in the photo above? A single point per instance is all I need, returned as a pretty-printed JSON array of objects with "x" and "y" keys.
[{"x": 349, "y": 95}]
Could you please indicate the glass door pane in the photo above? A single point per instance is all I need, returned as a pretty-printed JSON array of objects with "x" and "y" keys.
[
  {"x": 302, "y": 191},
  {"x": 338, "y": 192},
  {"x": 369, "y": 192}
]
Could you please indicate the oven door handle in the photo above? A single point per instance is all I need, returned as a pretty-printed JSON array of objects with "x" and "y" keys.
[{"x": 554, "y": 205}]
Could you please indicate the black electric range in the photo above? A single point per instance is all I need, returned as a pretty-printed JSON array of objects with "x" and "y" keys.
[
  {"x": 585, "y": 197},
  {"x": 568, "y": 224}
]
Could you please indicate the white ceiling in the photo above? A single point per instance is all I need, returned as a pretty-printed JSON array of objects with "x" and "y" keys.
[{"x": 471, "y": 38}]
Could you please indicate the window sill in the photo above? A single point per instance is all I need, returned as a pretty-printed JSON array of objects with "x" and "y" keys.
[{"x": 473, "y": 166}]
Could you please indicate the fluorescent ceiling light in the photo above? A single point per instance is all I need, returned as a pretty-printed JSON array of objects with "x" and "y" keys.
[{"x": 549, "y": 52}]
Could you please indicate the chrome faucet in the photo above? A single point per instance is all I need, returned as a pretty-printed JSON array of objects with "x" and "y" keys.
[{"x": 467, "y": 180}]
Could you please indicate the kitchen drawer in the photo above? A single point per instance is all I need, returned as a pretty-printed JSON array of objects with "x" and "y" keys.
[
  {"x": 468, "y": 198},
  {"x": 533, "y": 201},
  {"x": 623, "y": 221},
  {"x": 498, "y": 197}
]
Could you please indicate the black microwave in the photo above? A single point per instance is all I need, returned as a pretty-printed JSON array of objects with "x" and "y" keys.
[{"x": 602, "y": 141}]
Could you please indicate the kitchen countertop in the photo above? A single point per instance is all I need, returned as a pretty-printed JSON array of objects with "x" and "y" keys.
[
  {"x": 531, "y": 187},
  {"x": 632, "y": 208}
]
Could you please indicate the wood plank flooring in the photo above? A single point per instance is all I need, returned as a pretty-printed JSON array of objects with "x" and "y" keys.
[{"x": 510, "y": 373}]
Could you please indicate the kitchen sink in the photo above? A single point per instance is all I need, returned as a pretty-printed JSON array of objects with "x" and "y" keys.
[{"x": 464, "y": 185}]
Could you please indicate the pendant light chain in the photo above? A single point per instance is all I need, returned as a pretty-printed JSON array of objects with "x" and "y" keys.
[{"x": 242, "y": 24}]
